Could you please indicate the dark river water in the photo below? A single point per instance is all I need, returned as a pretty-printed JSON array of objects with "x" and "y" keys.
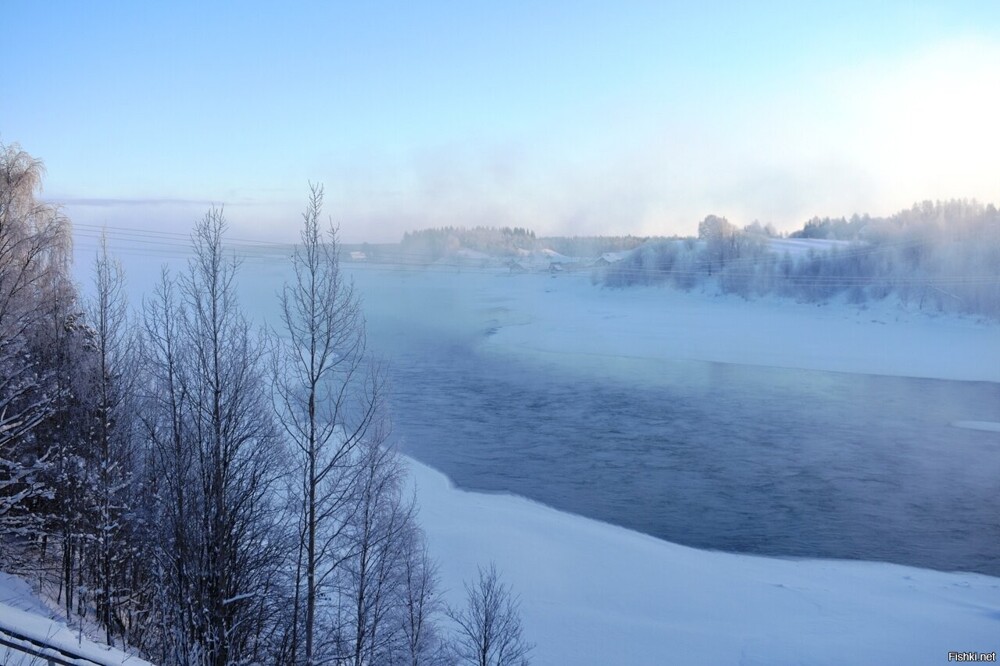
[{"x": 728, "y": 457}]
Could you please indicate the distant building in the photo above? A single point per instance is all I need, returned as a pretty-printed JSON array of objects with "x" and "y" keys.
[{"x": 358, "y": 256}]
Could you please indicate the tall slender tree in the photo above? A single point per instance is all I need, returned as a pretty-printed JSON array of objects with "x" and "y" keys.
[
  {"x": 217, "y": 461},
  {"x": 113, "y": 436},
  {"x": 383, "y": 538},
  {"x": 163, "y": 411},
  {"x": 236, "y": 455},
  {"x": 329, "y": 401}
]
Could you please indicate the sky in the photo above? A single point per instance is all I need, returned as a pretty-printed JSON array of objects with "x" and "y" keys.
[{"x": 573, "y": 118}]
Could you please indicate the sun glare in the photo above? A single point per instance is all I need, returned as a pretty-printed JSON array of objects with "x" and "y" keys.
[{"x": 930, "y": 123}]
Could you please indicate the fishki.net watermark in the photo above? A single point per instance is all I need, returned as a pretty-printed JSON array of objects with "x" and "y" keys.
[{"x": 972, "y": 656}]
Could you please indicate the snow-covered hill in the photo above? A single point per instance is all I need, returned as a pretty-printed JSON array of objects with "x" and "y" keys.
[{"x": 22, "y": 612}]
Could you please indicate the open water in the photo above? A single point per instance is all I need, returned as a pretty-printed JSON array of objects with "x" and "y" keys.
[{"x": 730, "y": 457}]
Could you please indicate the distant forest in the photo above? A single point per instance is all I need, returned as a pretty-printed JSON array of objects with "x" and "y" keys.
[
  {"x": 434, "y": 244},
  {"x": 938, "y": 256}
]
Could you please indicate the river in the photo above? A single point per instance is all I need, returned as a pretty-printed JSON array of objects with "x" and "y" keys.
[{"x": 731, "y": 457}]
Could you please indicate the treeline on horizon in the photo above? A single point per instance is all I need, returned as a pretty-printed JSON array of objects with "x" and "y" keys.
[
  {"x": 439, "y": 242},
  {"x": 941, "y": 256},
  {"x": 937, "y": 256}
]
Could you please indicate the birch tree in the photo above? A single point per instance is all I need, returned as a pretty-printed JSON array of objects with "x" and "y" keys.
[
  {"x": 421, "y": 605},
  {"x": 171, "y": 463},
  {"x": 114, "y": 455},
  {"x": 382, "y": 537},
  {"x": 236, "y": 456},
  {"x": 489, "y": 626},
  {"x": 34, "y": 249},
  {"x": 217, "y": 461},
  {"x": 328, "y": 403}
]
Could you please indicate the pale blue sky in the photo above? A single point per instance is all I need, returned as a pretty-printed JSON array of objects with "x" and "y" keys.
[{"x": 565, "y": 117}]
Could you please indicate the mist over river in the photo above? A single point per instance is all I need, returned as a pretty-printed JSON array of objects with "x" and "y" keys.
[{"x": 723, "y": 456}]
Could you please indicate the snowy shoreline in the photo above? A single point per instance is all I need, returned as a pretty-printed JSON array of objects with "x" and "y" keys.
[
  {"x": 572, "y": 320},
  {"x": 595, "y": 593}
]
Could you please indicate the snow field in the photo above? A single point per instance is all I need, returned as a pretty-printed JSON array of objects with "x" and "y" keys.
[
  {"x": 571, "y": 319},
  {"x": 594, "y": 593}
]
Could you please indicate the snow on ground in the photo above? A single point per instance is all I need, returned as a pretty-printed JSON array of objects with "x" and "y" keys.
[
  {"x": 568, "y": 318},
  {"x": 613, "y": 257},
  {"x": 797, "y": 247},
  {"x": 22, "y": 612},
  {"x": 541, "y": 260},
  {"x": 594, "y": 593}
]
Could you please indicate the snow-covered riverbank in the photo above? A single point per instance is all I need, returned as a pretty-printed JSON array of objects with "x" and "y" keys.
[
  {"x": 594, "y": 593},
  {"x": 569, "y": 318}
]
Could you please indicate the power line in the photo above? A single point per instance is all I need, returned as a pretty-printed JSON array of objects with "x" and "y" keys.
[{"x": 154, "y": 244}]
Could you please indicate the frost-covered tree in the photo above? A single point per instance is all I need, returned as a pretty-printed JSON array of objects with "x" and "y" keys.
[
  {"x": 171, "y": 473},
  {"x": 424, "y": 643},
  {"x": 356, "y": 531},
  {"x": 217, "y": 459},
  {"x": 381, "y": 538},
  {"x": 236, "y": 456},
  {"x": 329, "y": 402},
  {"x": 114, "y": 452},
  {"x": 34, "y": 287},
  {"x": 489, "y": 626}
]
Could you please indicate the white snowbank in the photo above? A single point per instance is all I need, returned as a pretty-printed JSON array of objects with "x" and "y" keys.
[
  {"x": 593, "y": 593},
  {"x": 22, "y": 612},
  {"x": 797, "y": 247},
  {"x": 567, "y": 319}
]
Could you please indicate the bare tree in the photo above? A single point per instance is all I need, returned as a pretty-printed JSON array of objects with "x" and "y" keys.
[
  {"x": 381, "y": 539},
  {"x": 357, "y": 535},
  {"x": 328, "y": 401},
  {"x": 171, "y": 479},
  {"x": 216, "y": 459},
  {"x": 236, "y": 454},
  {"x": 489, "y": 627},
  {"x": 421, "y": 605},
  {"x": 114, "y": 455}
]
